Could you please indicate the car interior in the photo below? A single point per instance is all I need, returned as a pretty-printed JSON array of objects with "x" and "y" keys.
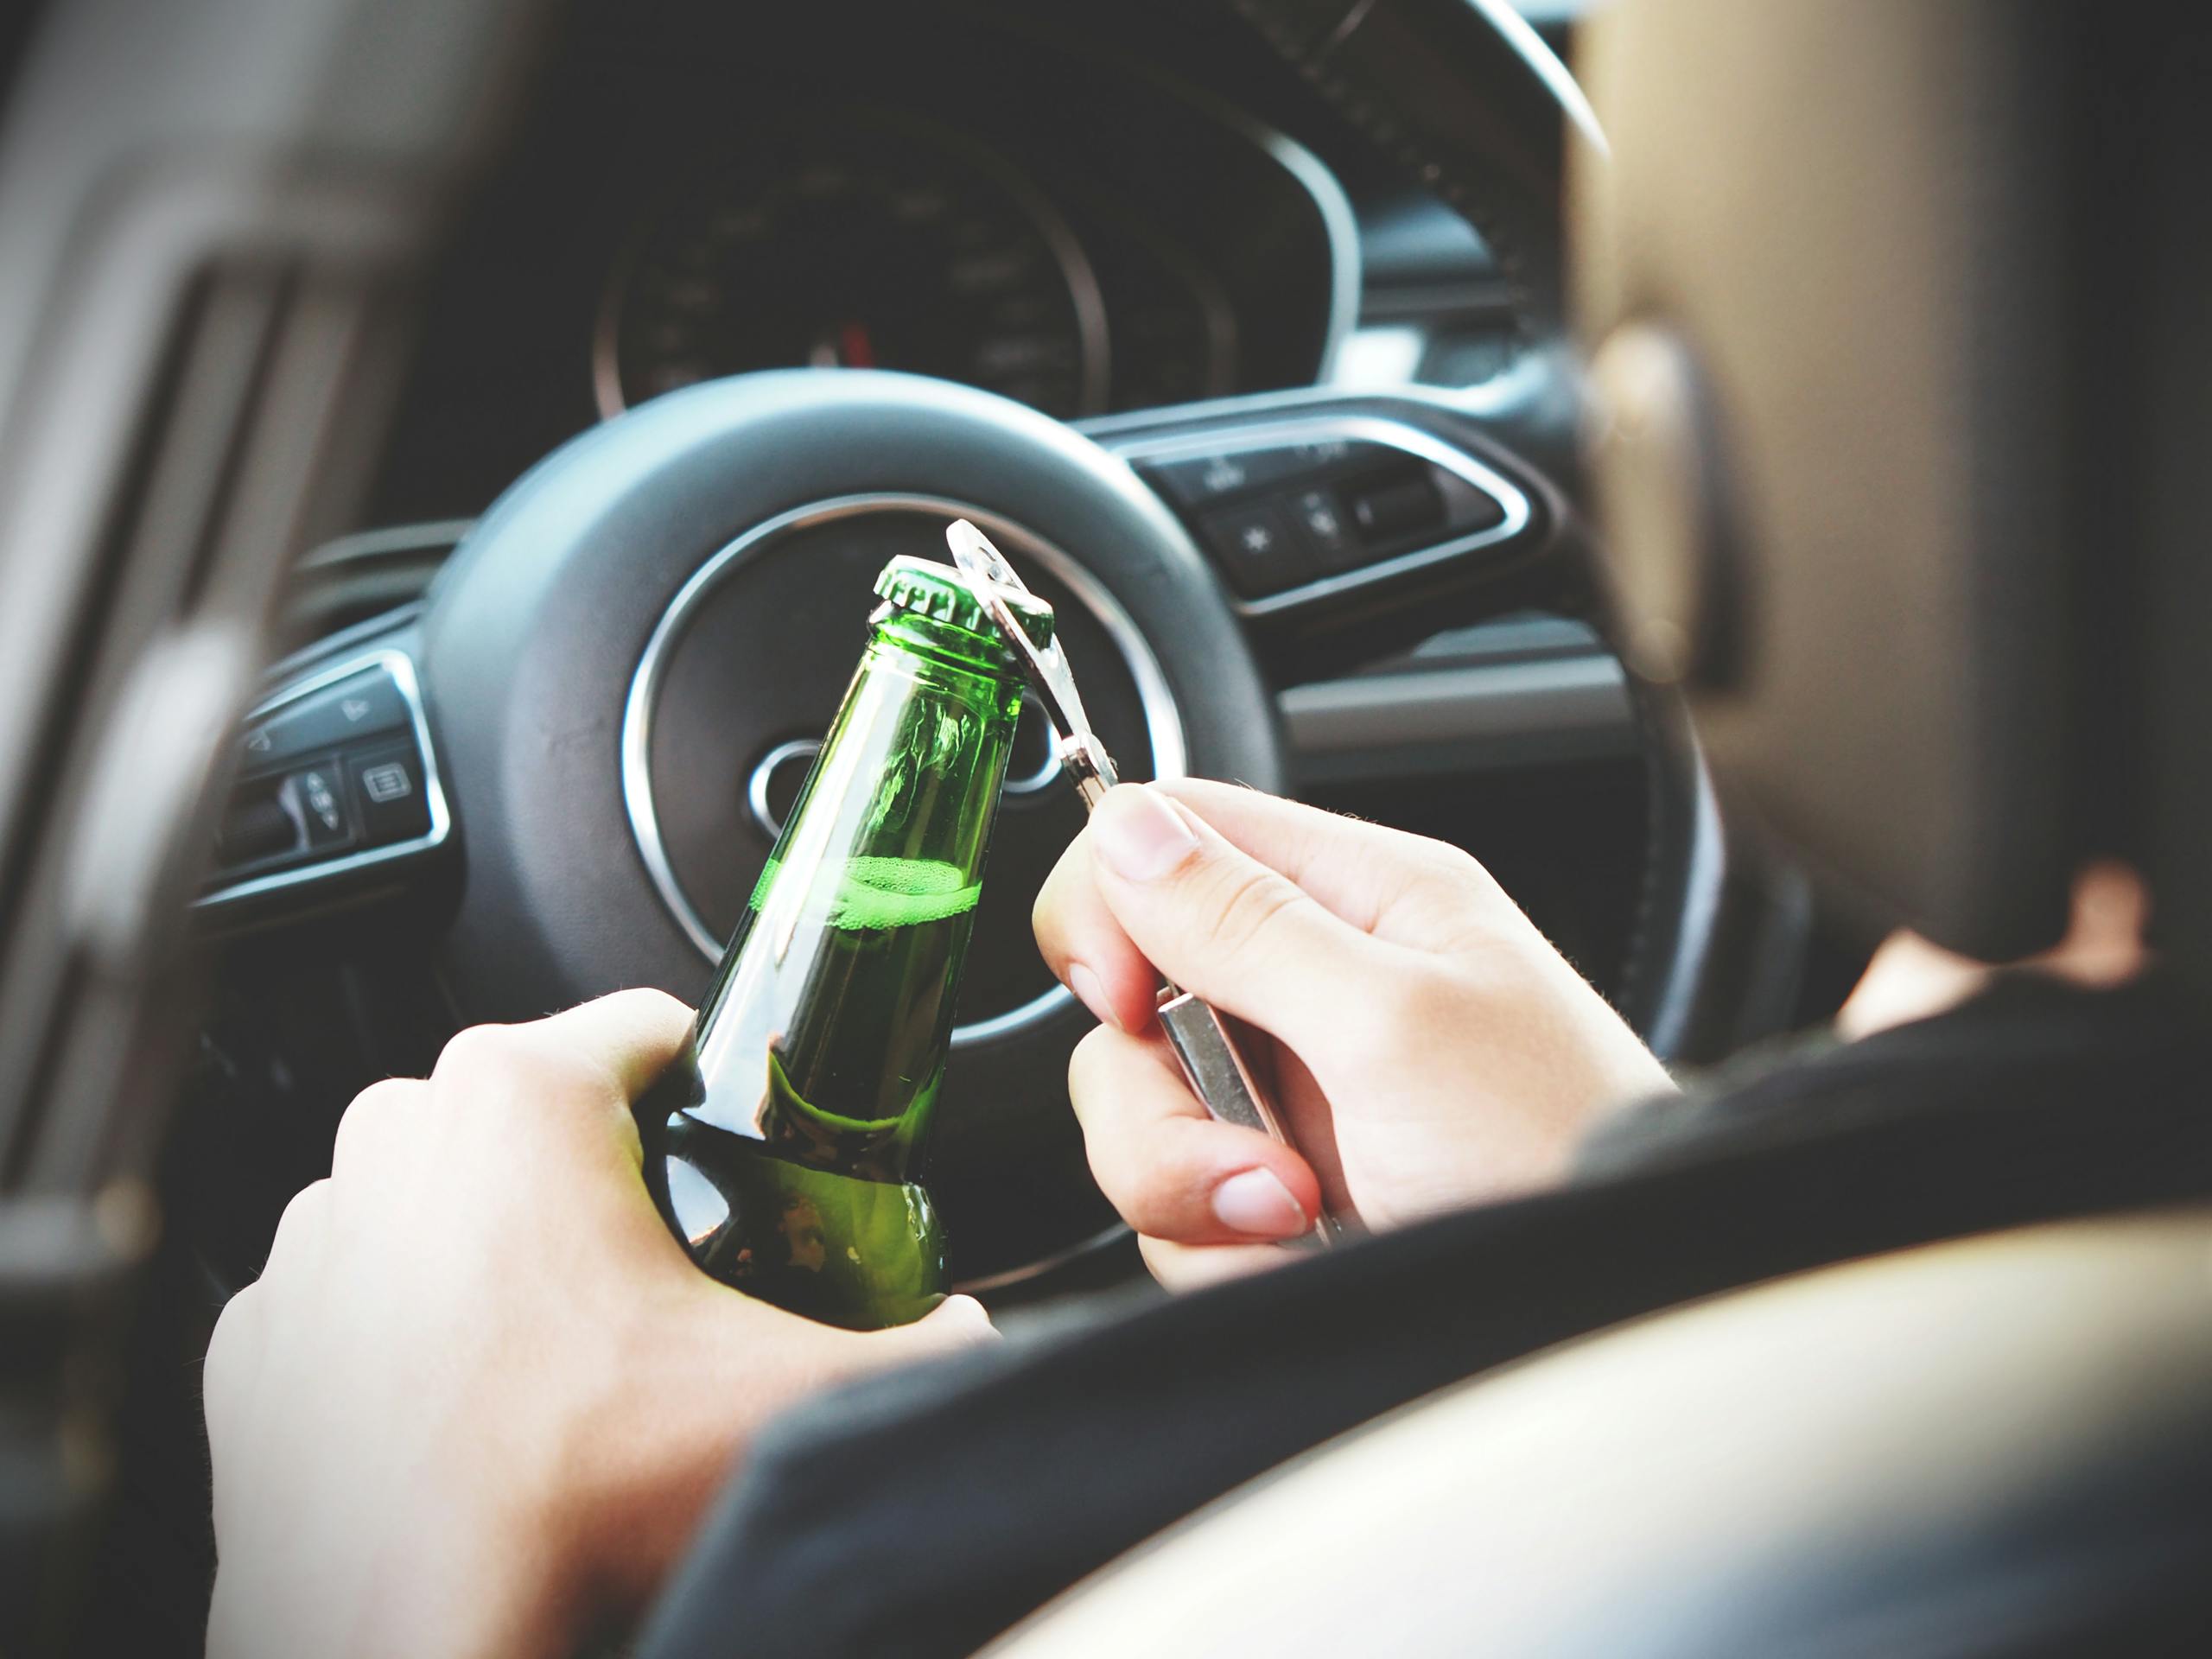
[{"x": 445, "y": 447}]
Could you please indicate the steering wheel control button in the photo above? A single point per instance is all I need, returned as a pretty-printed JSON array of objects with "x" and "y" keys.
[
  {"x": 1258, "y": 547},
  {"x": 283, "y": 819},
  {"x": 317, "y": 793},
  {"x": 1204, "y": 481},
  {"x": 365, "y": 704},
  {"x": 1398, "y": 511},
  {"x": 1320, "y": 518},
  {"x": 387, "y": 781},
  {"x": 256, "y": 827},
  {"x": 1323, "y": 452},
  {"x": 1366, "y": 498},
  {"x": 336, "y": 778}
]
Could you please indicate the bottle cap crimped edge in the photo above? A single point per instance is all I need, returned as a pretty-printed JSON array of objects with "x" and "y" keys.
[{"x": 937, "y": 590}]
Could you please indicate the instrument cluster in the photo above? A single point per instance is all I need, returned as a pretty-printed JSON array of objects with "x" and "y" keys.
[
  {"x": 718, "y": 191},
  {"x": 867, "y": 242}
]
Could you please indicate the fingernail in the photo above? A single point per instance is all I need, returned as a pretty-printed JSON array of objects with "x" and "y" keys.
[
  {"x": 1257, "y": 1204},
  {"x": 1140, "y": 835},
  {"x": 1091, "y": 994}
]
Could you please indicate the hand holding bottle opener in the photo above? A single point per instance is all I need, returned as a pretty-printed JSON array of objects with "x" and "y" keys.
[{"x": 1212, "y": 1064}]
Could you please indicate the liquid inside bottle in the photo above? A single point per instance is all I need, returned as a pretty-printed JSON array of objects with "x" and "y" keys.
[{"x": 785, "y": 1146}]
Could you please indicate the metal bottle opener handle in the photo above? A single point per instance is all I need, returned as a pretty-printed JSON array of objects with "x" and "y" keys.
[{"x": 1212, "y": 1064}]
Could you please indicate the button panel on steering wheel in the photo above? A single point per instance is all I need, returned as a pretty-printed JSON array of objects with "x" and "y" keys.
[
  {"x": 1303, "y": 511},
  {"x": 336, "y": 779}
]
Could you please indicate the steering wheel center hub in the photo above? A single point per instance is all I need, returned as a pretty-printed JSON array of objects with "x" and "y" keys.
[{"x": 750, "y": 659}]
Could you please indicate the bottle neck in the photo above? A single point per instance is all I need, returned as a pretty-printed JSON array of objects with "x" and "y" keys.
[{"x": 945, "y": 645}]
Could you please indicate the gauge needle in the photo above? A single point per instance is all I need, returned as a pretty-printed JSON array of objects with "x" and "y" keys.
[{"x": 848, "y": 348}]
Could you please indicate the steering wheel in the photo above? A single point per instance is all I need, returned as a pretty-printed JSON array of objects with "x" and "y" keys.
[{"x": 589, "y": 729}]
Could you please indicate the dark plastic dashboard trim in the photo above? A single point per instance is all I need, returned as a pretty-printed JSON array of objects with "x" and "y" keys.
[{"x": 1464, "y": 717}]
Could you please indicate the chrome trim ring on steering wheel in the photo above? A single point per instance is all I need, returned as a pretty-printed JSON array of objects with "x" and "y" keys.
[{"x": 1163, "y": 723}]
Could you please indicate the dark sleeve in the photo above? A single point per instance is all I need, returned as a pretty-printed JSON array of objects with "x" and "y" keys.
[
  {"x": 924, "y": 1513},
  {"x": 2027, "y": 1040}
]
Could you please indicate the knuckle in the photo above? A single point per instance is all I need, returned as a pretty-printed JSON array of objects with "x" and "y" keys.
[
  {"x": 1045, "y": 908},
  {"x": 645, "y": 1008},
  {"x": 375, "y": 1111},
  {"x": 1087, "y": 1069},
  {"x": 230, "y": 1325},
  {"x": 1441, "y": 861},
  {"x": 477, "y": 1053},
  {"x": 1066, "y": 903},
  {"x": 1155, "y": 1191},
  {"x": 653, "y": 1002},
  {"x": 221, "y": 1368},
  {"x": 301, "y": 1222},
  {"x": 385, "y": 1093},
  {"x": 1131, "y": 1179},
  {"x": 1249, "y": 909},
  {"x": 500, "y": 1066},
  {"x": 1141, "y": 1175},
  {"x": 1447, "y": 880},
  {"x": 305, "y": 1206}
]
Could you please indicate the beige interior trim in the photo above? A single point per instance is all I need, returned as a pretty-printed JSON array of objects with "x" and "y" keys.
[{"x": 1551, "y": 1506}]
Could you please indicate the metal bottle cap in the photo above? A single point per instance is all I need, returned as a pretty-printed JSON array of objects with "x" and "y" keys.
[{"x": 932, "y": 589}]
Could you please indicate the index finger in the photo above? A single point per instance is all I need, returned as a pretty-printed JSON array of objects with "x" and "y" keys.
[
  {"x": 1086, "y": 949},
  {"x": 1409, "y": 889},
  {"x": 1402, "y": 887}
]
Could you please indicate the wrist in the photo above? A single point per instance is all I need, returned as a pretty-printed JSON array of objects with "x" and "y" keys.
[
  {"x": 653, "y": 1434},
  {"x": 449, "y": 1578}
]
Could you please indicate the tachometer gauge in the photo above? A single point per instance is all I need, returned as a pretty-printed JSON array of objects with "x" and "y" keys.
[{"x": 865, "y": 247}]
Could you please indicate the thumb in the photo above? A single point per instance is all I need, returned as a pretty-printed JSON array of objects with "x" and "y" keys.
[
  {"x": 954, "y": 1324},
  {"x": 1217, "y": 921}
]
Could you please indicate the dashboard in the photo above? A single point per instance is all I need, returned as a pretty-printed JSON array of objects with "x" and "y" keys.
[
  {"x": 863, "y": 241},
  {"x": 1093, "y": 210}
]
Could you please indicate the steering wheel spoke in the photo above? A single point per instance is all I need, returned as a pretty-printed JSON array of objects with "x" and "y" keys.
[
  {"x": 1352, "y": 516},
  {"x": 339, "y": 798}
]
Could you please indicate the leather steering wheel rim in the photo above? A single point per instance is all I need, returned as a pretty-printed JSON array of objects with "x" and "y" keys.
[{"x": 533, "y": 642}]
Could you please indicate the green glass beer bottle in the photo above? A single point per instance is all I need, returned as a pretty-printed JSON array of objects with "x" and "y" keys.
[{"x": 785, "y": 1145}]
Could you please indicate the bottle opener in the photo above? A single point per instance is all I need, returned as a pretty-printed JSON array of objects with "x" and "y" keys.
[{"x": 1211, "y": 1062}]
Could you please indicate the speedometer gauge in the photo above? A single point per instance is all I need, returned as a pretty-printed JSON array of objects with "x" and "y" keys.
[{"x": 866, "y": 247}]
